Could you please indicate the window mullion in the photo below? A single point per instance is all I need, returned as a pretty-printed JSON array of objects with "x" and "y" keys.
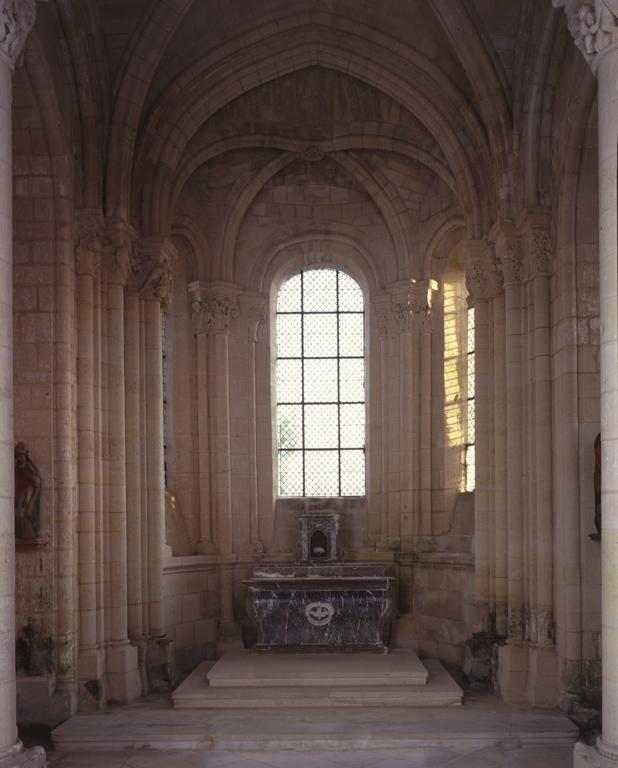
[{"x": 302, "y": 371}]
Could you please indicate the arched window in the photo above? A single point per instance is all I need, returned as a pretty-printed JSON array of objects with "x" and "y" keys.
[{"x": 321, "y": 384}]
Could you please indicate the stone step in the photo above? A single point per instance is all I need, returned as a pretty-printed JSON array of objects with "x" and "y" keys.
[
  {"x": 440, "y": 691},
  {"x": 153, "y": 724},
  {"x": 243, "y": 669}
]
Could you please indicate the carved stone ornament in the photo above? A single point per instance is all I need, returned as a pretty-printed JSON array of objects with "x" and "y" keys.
[
  {"x": 593, "y": 25},
  {"x": 88, "y": 244},
  {"x": 16, "y": 20},
  {"x": 319, "y": 614},
  {"x": 213, "y": 314}
]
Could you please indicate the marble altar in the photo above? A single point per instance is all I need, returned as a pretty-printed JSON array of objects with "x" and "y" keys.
[{"x": 319, "y": 603}]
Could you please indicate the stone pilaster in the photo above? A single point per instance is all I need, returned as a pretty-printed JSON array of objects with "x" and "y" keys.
[
  {"x": 16, "y": 20},
  {"x": 252, "y": 307},
  {"x": 594, "y": 27},
  {"x": 88, "y": 255},
  {"x": 483, "y": 284},
  {"x": 123, "y": 679},
  {"x": 214, "y": 308},
  {"x": 153, "y": 278}
]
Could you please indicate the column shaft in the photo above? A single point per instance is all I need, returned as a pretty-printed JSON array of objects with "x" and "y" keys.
[
  {"x": 87, "y": 557},
  {"x": 482, "y": 502},
  {"x": 514, "y": 459},
  {"x": 608, "y": 279},
  {"x": 500, "y": 493},
  {"x": 156, "y": 495},
  {"x": 543, "y": 462},
  {"x": 117, "y": 459},
  {"x": 201, "y": 344},
  {"x": 8, "y": 728},
  {"x": 133, "y": 467}
]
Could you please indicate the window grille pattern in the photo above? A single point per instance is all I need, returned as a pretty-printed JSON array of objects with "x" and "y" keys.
[
  {"x": 470, "y": 405},
  {"x": 321, "y": 385}
]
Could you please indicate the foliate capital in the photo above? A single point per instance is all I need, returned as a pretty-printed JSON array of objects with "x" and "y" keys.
[
  {"x": 151, "y": 275},
  {"x": 213, "y": 307},
  {"x": 16, "y": 20},
  {"x": 593, "y": 25},
  {"x": 89, "y": 241}
]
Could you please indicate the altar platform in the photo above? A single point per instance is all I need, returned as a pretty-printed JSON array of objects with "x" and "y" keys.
[{"x": 242, "y": 679}]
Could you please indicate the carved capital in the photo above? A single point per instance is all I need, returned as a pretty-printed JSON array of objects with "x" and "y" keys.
[
  {"x": 213, "y": 307},
  {"x": 253, "y": 312},
  {"x": 151, "y": 275},
  {"x": 593, "y": 25},
  {"x": 382, "y": 310},
  {"x": 509, "y": 257},
  {"x": 16, "y": 20},
  {"x": 419, "y": 300},
  {"x": 119, "y": 251},
  {"x": 89, "y": 241},
  {"x": 483, "y": 279},
  {"x": 539, "y": 252}
]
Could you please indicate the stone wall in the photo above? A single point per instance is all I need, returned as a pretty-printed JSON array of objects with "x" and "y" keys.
[{"x": 191, "y": 609}]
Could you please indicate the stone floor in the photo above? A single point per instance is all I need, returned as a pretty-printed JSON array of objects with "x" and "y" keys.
[
  {"x": 419, "y": 757},
  {"x": 484, "y": 733}
]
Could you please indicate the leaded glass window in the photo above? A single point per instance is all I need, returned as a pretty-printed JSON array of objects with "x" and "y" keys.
[
  {"x": 321, "y": 385},
  {"x": 470, "y": 405}
]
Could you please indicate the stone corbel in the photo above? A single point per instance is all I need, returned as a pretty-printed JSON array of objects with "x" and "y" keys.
[
  {"x": 151, "y": 275},
  {"x": 213, "y": 306},
  {"x": 16, "y": 20},
  {"x": 593, "y": 26},
  {"x": 89, "y": 242}
]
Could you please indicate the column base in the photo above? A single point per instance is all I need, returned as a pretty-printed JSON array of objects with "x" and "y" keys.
[
  {"x": 123, "y": 677},
  {"x": 160, "y": 664},
  {"x": 18, "y": 757},
  {"x": 598, "y": 756}
]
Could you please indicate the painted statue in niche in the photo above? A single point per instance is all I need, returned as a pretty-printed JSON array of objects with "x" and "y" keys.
[
  {"x": 27, "y": 495},
  {"x": 597, "y": 488}
]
